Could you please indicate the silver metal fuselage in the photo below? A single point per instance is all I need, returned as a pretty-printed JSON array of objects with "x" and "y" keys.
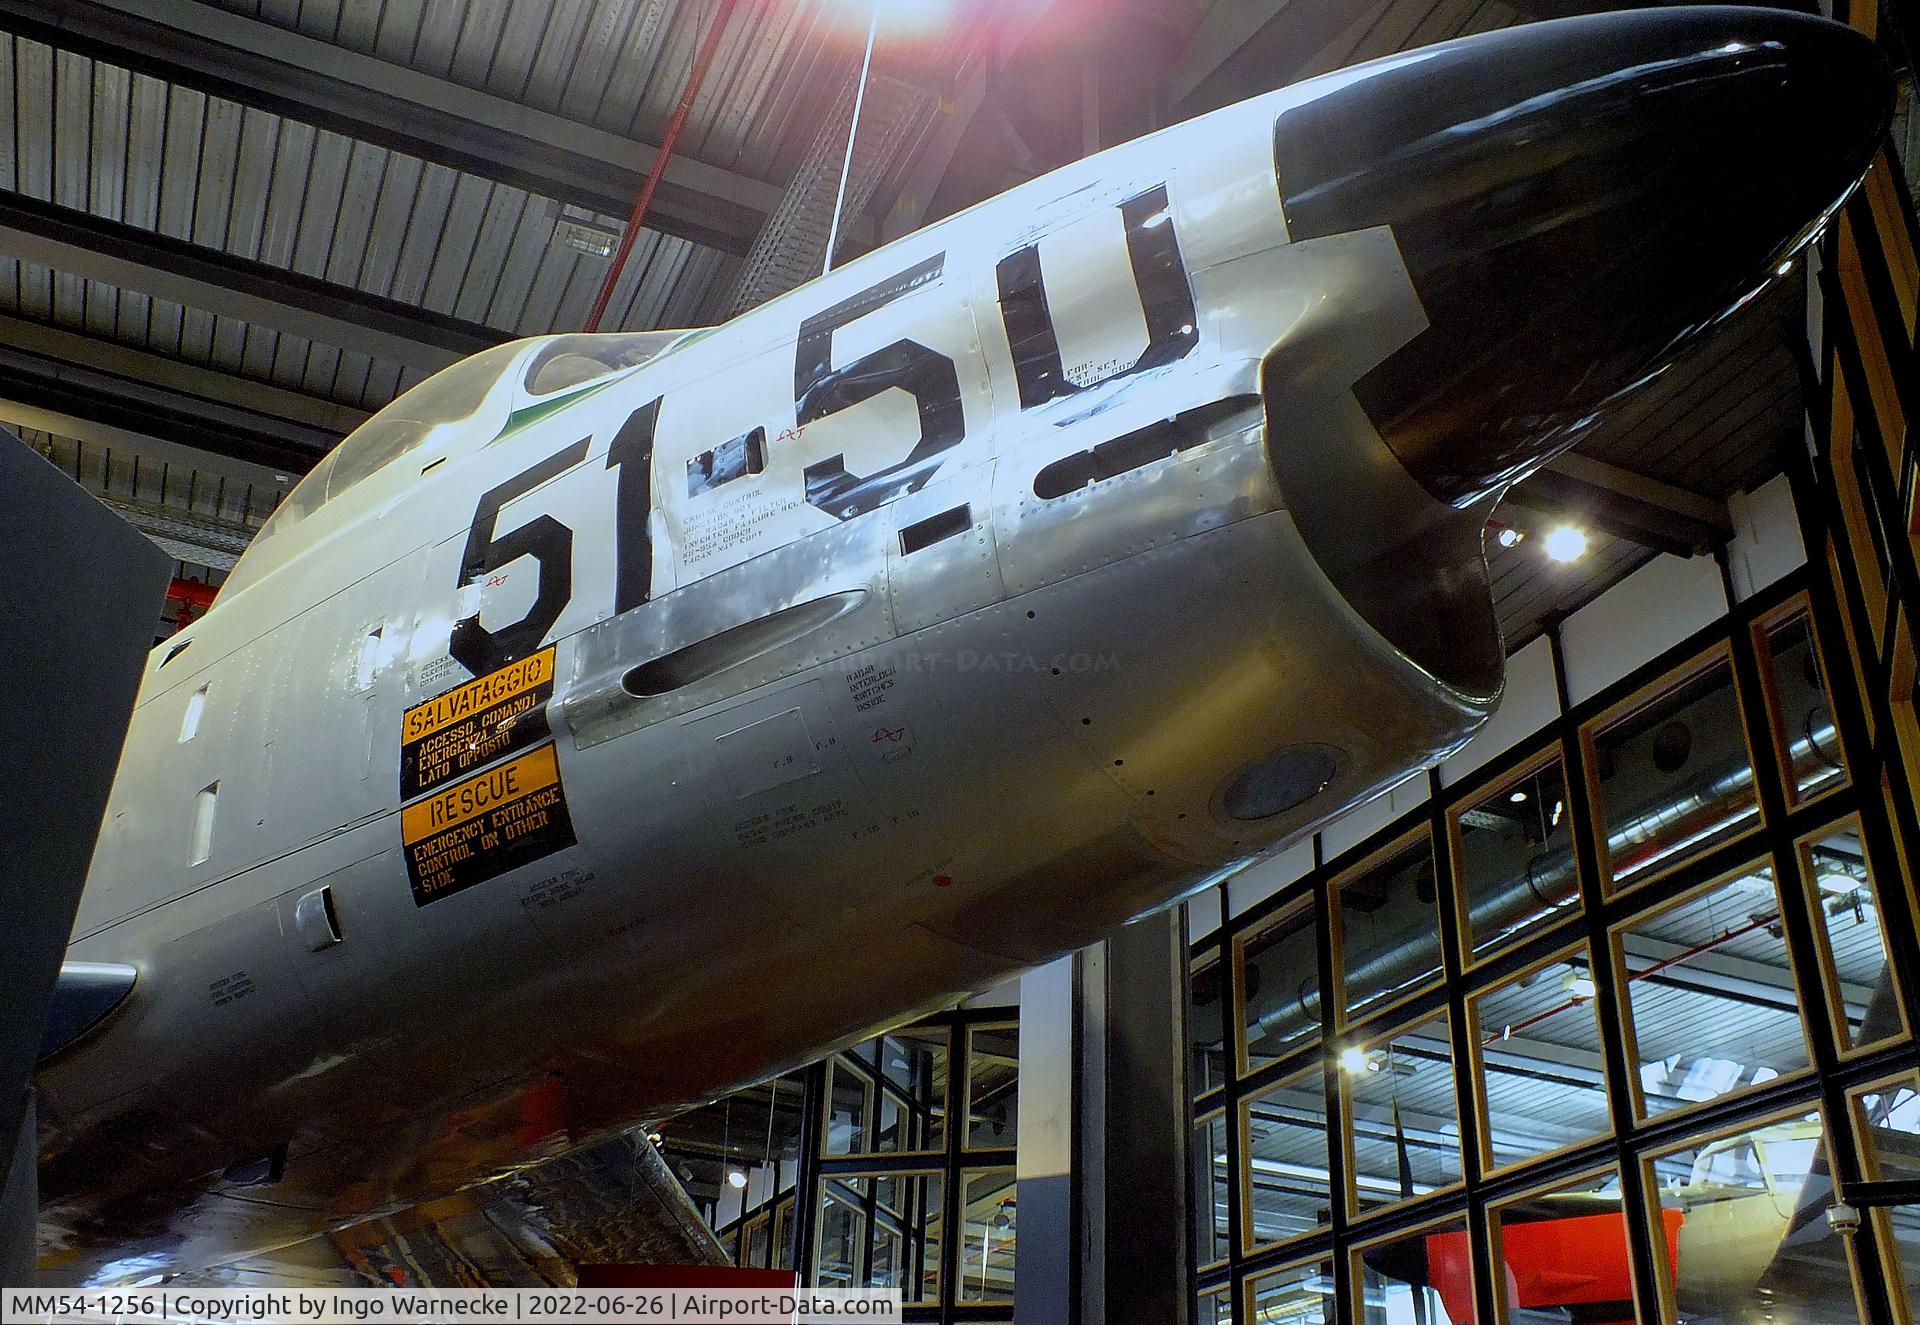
[
  {"x": 925, "y": 623},
  {"x": 948, "y": 763}
]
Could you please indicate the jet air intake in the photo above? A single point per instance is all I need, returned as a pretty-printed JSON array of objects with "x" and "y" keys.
[{"x": 1575, "y": 202}]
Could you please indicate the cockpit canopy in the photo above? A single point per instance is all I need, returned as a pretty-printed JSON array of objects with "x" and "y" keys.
[{"x": 471, "y": 400}]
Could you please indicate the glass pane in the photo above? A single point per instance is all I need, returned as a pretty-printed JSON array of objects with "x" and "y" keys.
[
  {"x": 1424, "y": 1276},
  {"x": 888, "y": 1095},
  {"x": 1406, "y": 1130},
  {"x": 842, "y": 1234},
  {"x": 1208, "y": 1182},
  {"x": 986, "y": 1254},
  {"x": 1207, "y": 1028},
  {"x": 905, "y": 1219},
  {"x": 1516, "y": 861},
  {"x": 1389, "y": 935},
  {"x": 1746, "y": 1232},
  {"x": 1541, "y": 1238},
  {"x": 1711, "y": 995},
  {"x": 1889, "y": 1121},
  {"x": 1281, "y": 966},
  {"x": 1849, "y": 914},
  {"x": 894, "y": 1221},
  {"x": 1214, "y": 1307},
  {"x": 1301, "y": 1295},
  {"x": 1287, "y": 1155},
  {"x": 1899, "y": 1231},
  {"x": 1674, "y": 777},
  {"x": 1540, "y": 1062},
  {"x": 735, "y": 1184},
  {"x": 993, "y": 1086},
  {"x": 1797, "y": 707}
]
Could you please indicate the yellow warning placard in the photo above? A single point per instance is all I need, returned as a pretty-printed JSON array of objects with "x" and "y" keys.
[
  {"x": 474, "y": 724},
  {"x": 484, "y": 826}
]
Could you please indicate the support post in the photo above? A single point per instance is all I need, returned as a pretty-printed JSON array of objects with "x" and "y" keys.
[
  {"x": 1045, "y": 1274},
  {"x": 1147, "y": 1270}
]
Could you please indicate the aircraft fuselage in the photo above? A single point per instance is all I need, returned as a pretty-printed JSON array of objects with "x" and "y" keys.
[{"x": 624, "y": 742}]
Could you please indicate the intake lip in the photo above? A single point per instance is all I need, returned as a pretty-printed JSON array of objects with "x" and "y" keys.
[{"x": 1575, "y": 201}]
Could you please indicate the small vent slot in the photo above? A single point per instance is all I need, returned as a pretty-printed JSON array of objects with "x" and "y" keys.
[
  {"x": 927, "y": 532},
  {"x": 368, "y": 662},
  {"x": 744, "y": 455},
  {"x": 175, "y": 651},
  {"x": 1137, "y": 449},
  {"x": 315, "y": 920},
  {"x": 204, "y": 805},
  {"x": 736, "y": 645},
  {"x": 190, "y": 719}
]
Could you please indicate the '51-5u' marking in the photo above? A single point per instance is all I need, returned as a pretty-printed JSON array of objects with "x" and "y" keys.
[{"x": 821, "y": 390}]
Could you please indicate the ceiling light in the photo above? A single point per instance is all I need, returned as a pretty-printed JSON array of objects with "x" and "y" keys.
[
  {"x": 737, "y": 1177},
  {"x": 1518, "y": 798},
  {"x": 1577, "y": 984},
  {"x": 1354, "y": 1061},
  {"x": 582, "y": 231},
  {"x": 1566, "y": 543},
  {"x": 655, "y": 1137},
  {"x": 1558, "y": 806},
  {"x": 1508, "y": 537}
]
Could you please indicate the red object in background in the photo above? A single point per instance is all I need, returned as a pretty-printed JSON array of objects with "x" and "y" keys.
[
  {"x": 194, "y": 593},
  {"x": 691, "y": 1276},
  {"x": 668, "y": 142},
  {"x": 1581, "y": 1260},
  {"x": 193, "y": 597}
]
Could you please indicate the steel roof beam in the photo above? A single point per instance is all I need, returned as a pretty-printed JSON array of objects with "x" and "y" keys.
[
  {"x": 360, "y": 96},
  {"x": 1662, "y": 496},
  {"x": 1229, "y": 25},
  {"x": 321, "y": 421},
  {"x": 197, "y": 540},
  {"x": 954, "y": 118},
  {"x": 130, "y": 258},
  {"x": 61, "y": 382},
  {"x": 1626, "y": 505}
]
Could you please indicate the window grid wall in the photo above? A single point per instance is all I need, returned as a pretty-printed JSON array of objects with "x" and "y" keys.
[
  {"x": 1464, "y": 1210},
  {"x": 1856, "y": 495},
  {"x": 863, "y": 1213}
]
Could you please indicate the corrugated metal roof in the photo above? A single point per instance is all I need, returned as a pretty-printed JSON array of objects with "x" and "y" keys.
[
  {"x": 134, "y": 149},
  {"x": 251, "y": 183},
  {"x": 204, "y": 515},
  {"x": 100, "y": 138},
  {"x": 616, "y": 64}
]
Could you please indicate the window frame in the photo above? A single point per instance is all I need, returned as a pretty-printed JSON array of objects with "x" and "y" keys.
[
  {"x": 1716, "y": 656},
  {"x": 1616, "y": 954}
]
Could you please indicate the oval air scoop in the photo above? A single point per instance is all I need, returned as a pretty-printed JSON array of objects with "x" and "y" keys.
[
  {"x": 82, "y": 997},
  {"x": 1575, "y": 202},
  {"x": 737, "y": 644}
]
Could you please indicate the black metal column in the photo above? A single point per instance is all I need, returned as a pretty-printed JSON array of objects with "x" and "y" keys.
[{"x": 1138, "y": 1011}]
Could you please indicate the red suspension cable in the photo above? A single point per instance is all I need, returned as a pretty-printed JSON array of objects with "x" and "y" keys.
[{"x": 641, "y": 204}]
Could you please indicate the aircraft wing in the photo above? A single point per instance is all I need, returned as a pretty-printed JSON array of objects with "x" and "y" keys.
[{"x": 614, "y": 1203}]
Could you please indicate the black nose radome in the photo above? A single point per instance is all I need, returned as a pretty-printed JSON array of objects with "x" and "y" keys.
[{"x": 1574, "y": 200}]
